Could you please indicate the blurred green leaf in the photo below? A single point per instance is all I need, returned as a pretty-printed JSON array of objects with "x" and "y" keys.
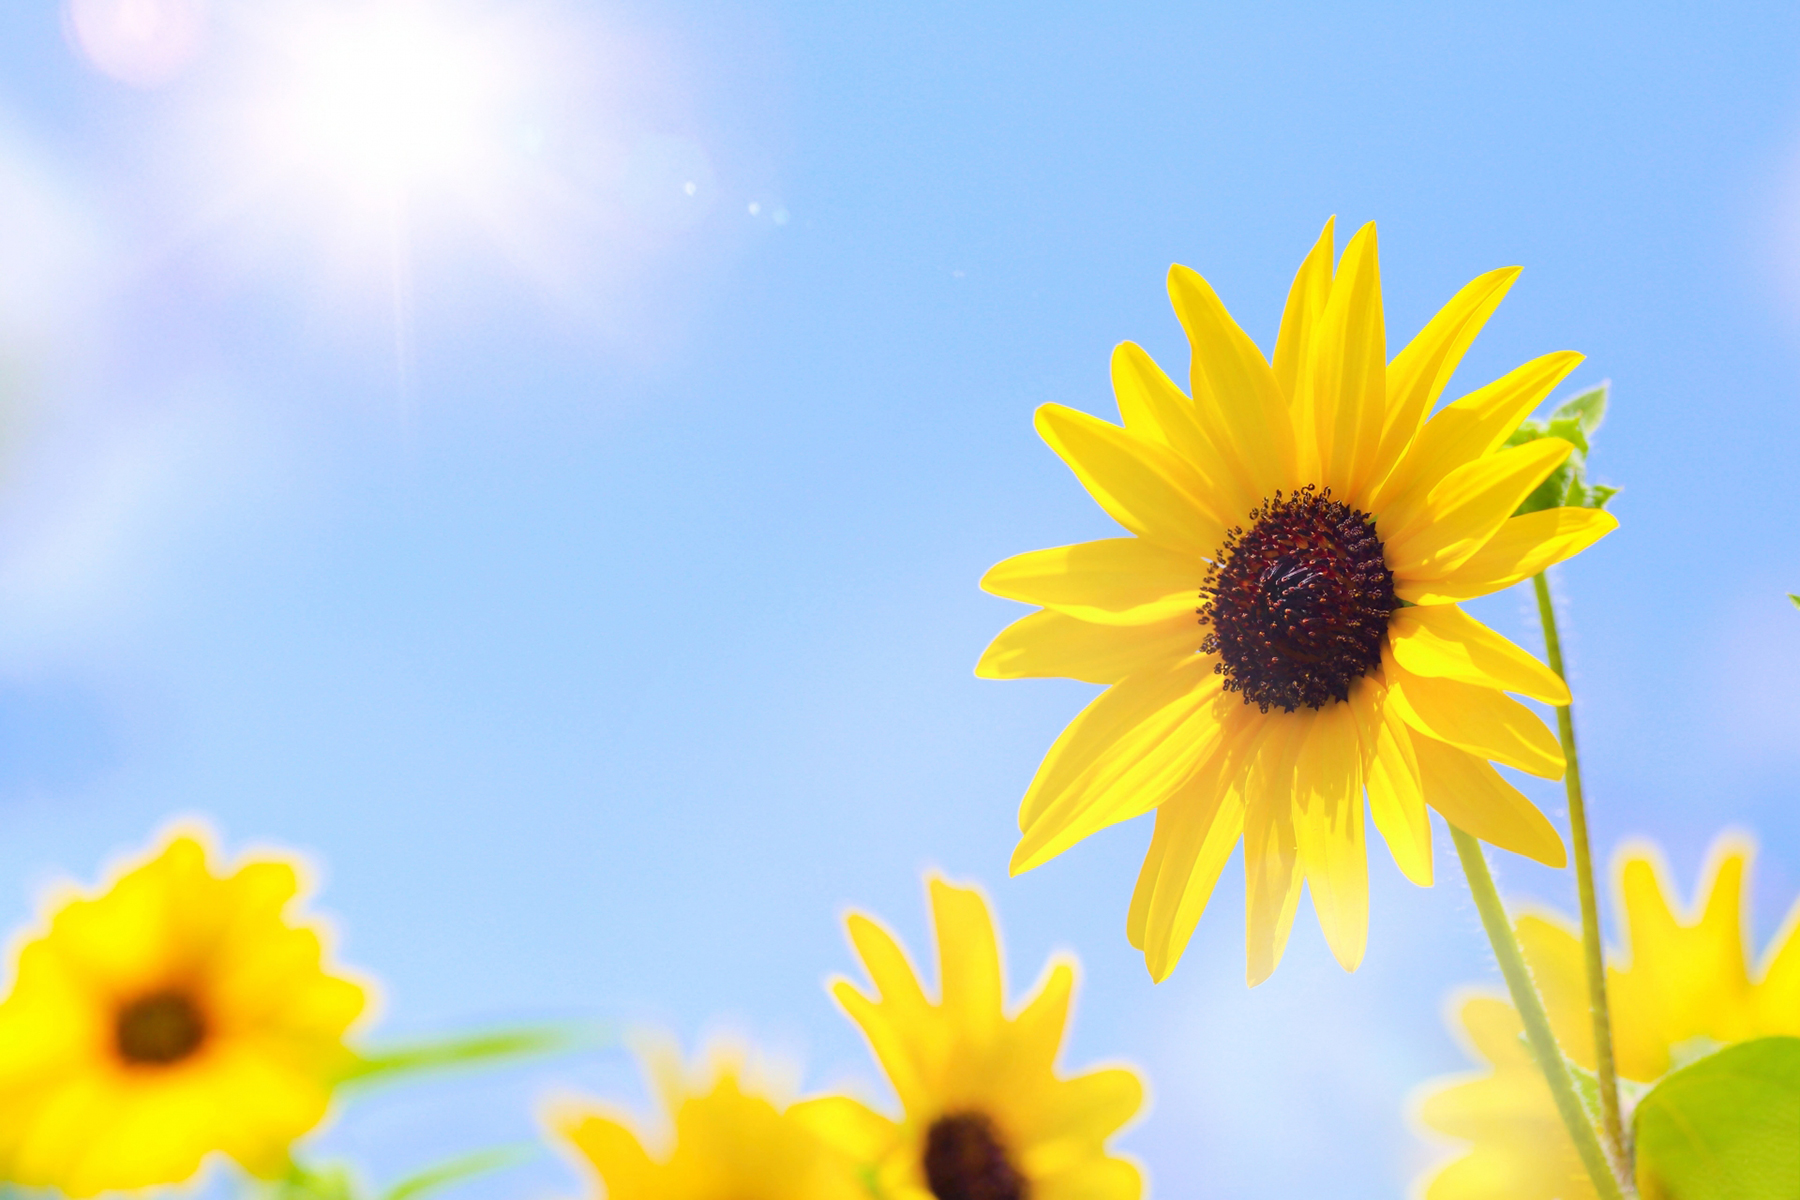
[
  {"x": 1726, "y": 1127},
  {"x": 458, "y": 1169},
  {"x": 1795, "y": 599},
  {"x": 1574, "y": 421},
  {"x": 471, "y": 1050},
  {"x": 331, "y": 1182}
]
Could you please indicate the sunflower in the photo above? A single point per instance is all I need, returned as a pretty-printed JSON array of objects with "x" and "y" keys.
[
  {"x": 1686, "y": 988},
  {"x": 729, "y": 1143},
  {"x": 180, "y": 1013},
  {"x": 985, "y": 1115},
  {"x": 1280, "y": 634}
]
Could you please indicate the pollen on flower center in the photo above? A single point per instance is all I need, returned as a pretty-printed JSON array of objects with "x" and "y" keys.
[
  {"x": 966, "y": 1160},
  {"x": 1296, "y": 606},
  {"x": 159, "y": 1029}
]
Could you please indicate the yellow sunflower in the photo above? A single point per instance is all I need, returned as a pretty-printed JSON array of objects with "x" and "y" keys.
[
  {"x": 985, "y": 1114},
  {"x": 180, "y": 1013},
  {"x": 1687, "y": 987},
  {"x": 1281, "y": 632},
  {"x": 728, "y": 1144}
]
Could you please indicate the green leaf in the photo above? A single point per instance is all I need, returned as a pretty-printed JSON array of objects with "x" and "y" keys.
[
  {"x": 1726, "y": 1127},
  {"x": 331, "y": 1182},
  {"x": 1795, "y": 599},
  {"x": 458, "y": 1169},
  {"x": 468, "y": 1051},
  {"x": 1587, "y": 409},
  {"x": 1574, "y": 421}
]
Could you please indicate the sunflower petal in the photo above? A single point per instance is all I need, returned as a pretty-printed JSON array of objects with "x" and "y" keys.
[
  {"x": 1236, "y": 397},
  {"x": 1113, "y": 581},
  {"x": 969, "y": 972},
  {"x": 1472, "y": 796},
  {"x": 1271, "y": 856},
  {"x": 1419, "y": 372},
  {"x": 1305, "y": 305},
  {"x": 1522, "y": 547},
  {"x": 1051, "y": 644},
  {"x": 1468, "y": 508},
  {"x": 1328, "y": 830},
  {"x": 1471, "y": 428},
  {"x": 846, "y": 1125},
  {"x": 1391, "y": 775},
  {"x": 1444, "y": 641},
  {"x": 1154, "y": 408},
  {"x": 1479, "y": 719},
  {"x": 1038, "y": 1029},
  {"x": 1198, "y": 828},
  {"x": 1096, "y": 748},
  {"x": 1341, "y": 398},
  {"x": 1144, "y": 486},
  {"x": 1136, "y": 773}
]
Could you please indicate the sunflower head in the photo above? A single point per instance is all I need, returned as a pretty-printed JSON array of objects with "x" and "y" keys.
[
  {"x": 985, "y": 1114},
  {"x": 1280, "y": 634},
  {"x": 1683, "y": 984},
  {"x": 729, "y": 1140},
  {"x": 178, "y": 1013}
]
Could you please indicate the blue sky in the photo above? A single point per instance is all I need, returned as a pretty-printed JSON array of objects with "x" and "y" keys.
[{"x": 588, "y": 579}]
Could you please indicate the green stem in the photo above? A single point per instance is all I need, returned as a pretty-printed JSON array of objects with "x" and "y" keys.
[
  {"x": 1605, "y": 1065},
  {"x": 1531, "y": 1012}
]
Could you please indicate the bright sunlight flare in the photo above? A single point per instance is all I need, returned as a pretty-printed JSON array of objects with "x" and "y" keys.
[{"x": 382, "y": 99}]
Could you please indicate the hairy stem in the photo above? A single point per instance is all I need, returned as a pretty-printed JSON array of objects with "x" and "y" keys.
[
  {"x": 1531, "y": 1012},
  {"x": 1605, "y": 1066}
]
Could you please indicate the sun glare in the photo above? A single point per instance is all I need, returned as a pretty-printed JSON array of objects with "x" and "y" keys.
[{"x": 380, "y": 101}]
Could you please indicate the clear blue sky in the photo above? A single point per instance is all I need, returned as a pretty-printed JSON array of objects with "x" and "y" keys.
[{"x": 599, "y": 604}]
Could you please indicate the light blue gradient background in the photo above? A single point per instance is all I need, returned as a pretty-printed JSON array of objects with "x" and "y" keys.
[{"x": 607, "y": 656}]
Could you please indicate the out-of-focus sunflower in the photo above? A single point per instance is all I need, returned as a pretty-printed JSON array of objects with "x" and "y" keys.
[
  {"x": 1687, "y": 987},
  {"x": 1281, "y": 632},
  {"x": 728, "y": 1143},
  {"x": 178, "y": 1014},
  {"x": 985, "y": 1114}
]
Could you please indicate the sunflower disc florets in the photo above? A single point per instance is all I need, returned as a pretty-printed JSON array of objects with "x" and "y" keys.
[{"x": 1296, "y": 606}]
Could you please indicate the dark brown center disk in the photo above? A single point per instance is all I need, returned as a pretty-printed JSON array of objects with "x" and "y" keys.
[
  {"x": 159, "y": 1029},
  {"x": 1296, "y": 607},
  {"x": 965, "y": 1160}
]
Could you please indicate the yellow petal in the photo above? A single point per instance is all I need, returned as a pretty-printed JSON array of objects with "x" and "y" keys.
[
  {"x": 1468, "y": 508},
  {"x": 848, "y": 1126},
  {"x": 1154, "y": 408},
  {"x": 1039, "y": 1027},
  {"x": 1196, "y": 831},
  {"x": 1473, "y": 797},
  {"x": 1271, "y": 857},
  {"x": 1142, "y": 485},
  {"x": 613, "y": 1150},
  {"x": 969, "y": 970},
  {"x": 1305, "y": 305},
  {"x": 1396, "y": 801},
  {"x": 1341, "y": 401},
  {"x": 1419, "y": 372},
  {"x": 1443, "y": 641},
  {"x": 1047, "y": 643},
  {"x": 1114, "y": 581},
  {"x": 1093, "y": 753},
  {"x": 896, "y": 982},
  {"x": 1471, "y": 428},
  {"x": 1523, "y": 546},
  {"x": 1553, "y": 952},
  {"x": 1236, "y": 398},
  {"x": 1111, "y": 1178},
  {"x": 1478, "y": 719},
  {"x": 1328, "y": 830}
]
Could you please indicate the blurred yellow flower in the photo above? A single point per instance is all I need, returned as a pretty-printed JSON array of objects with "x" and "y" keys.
[
  {"x": 1282, "y": 633},
  {"x": 1686, "y": 988},
  {"x": 178, "y": 1014},
  {"x": 728, "y": 1143},
  {"x": 985, "y": 1115}
]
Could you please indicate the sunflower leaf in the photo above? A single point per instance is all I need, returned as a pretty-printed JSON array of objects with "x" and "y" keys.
[
  {"x": 1725, "y": 1127},
  {"x": 1574, "y": 421},
  {"x": 1795, "y": 598},
  {"x": 469, "y": 1050},
  {"x": 456, "y": 1170}
]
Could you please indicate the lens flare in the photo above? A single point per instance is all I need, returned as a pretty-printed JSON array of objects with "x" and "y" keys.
[{"x": 387, "y": 99}]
